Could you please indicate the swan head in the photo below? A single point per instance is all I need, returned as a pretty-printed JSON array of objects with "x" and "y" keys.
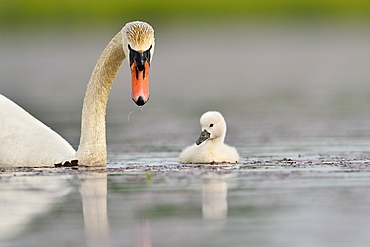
[
  {"x": 138, "y": 45},
  {"x": 213, "y": 126}
]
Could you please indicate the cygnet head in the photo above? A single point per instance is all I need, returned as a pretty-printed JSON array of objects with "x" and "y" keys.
[
  {"x": 213, "y": 126},
  {"x": 138, "y": 45}
]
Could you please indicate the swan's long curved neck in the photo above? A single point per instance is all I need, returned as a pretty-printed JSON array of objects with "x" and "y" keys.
[{"x": 92, "y": 149}]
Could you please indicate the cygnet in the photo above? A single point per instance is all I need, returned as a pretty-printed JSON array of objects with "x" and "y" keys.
[{"x": 210, "y": 146}]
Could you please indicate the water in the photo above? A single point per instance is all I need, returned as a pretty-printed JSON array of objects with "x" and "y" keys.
[
  {"x": 296, "y": 104},
  {"x": 188, "y": 206}
]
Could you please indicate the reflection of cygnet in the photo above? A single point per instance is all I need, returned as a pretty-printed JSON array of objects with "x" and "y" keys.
[
  {"x": 210, "y": 146},
  {"x": 214, "y": 197}
]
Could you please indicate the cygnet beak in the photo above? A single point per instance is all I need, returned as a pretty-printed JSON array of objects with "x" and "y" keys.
[{"x": 203, "y": 137}]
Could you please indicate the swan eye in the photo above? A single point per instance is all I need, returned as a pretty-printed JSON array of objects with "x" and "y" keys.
[{"x": 211, "y": 125}]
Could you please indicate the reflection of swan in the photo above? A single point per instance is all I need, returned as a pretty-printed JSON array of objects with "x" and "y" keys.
[
  {"x": 210, "y": 146},
  {"x": 25, "y": 141},
  {"x": 214, "y": 197},
  {"x": 23, "y": 198},
  {"x": 94, "y": 203}
]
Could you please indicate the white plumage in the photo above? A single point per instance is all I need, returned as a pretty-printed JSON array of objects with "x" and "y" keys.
[
  {"x": 25, "y": 141},
  {"x": 210, "y": 146}
]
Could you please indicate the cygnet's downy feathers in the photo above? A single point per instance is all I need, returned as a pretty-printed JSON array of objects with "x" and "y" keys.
[{"x": 210, "y": 146}]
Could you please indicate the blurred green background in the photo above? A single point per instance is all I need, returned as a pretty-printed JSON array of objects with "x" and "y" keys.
[{"x": 73, "y": 13}]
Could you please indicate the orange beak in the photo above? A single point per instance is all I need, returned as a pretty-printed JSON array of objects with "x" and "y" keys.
[{"x": 140, "y": 83}]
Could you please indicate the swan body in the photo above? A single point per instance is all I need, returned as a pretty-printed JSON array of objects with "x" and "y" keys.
[
  {"x": 20, "y": 132},
  {"x": 210, "y": 146},
  {"x": 26, "y": 142}
]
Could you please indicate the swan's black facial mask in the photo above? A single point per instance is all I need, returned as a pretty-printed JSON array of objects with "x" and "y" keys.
[
  {"x": 203, "y": 137},
  {"x": 140, "y": 58}
]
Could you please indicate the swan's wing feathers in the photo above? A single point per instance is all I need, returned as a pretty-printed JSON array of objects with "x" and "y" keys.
[{"x": 23, "y": 138}]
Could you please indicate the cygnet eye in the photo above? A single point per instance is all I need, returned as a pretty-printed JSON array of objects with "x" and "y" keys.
[{"x": 211, "y": 125}]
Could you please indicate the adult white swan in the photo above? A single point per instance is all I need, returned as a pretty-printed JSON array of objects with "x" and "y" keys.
[
  {"x": 210, "y": 146},
  {"x": 26, "y": 142}
]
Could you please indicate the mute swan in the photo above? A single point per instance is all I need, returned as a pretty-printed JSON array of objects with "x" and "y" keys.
[
  {"x": 26, "y": 142},
  {"x": 210, "y": 146}
]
